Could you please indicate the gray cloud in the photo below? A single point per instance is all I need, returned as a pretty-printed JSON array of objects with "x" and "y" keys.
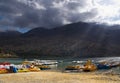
[{"x": 45, "y": 13}]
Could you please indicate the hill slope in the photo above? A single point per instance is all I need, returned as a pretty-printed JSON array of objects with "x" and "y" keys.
[{"x": 70, "y": 41}]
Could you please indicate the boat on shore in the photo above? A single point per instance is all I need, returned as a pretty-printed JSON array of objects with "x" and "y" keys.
[
  {"x": 76, "y": 67},
  {"x": 29, "y": 64},
  {"x": 107, "y": 65},
  {"x": 43, "y": 67},
  {"x": 45, "y": 62},
  {"x": 23, "y": 70},
  {"x": 3, "y": 70},
  {"x": 89, "y": 66}
]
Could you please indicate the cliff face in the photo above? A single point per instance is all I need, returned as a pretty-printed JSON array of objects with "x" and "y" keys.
[{"x": 73, "y": 40}]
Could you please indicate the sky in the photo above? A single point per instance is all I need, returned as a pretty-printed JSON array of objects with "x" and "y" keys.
[{"x": 23, "y": 15}]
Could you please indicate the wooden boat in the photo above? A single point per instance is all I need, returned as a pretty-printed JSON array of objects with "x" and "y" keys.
[{"x": 89, "y": 66}]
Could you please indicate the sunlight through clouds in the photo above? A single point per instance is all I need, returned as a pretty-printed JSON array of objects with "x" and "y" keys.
[
  {"x": 108, "y": 11},
  {"x": 53, "y": 13}
]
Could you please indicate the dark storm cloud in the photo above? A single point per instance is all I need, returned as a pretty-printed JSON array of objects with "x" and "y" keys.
[{"x": 45, "y": 13}]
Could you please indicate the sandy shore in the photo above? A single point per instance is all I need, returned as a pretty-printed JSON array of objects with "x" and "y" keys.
[{"x": 57, "y": 77}]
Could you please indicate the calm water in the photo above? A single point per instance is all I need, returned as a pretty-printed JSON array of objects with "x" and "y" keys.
[
  {"x": 63, "y": 63},
  {"x": 12, "y": 60}
]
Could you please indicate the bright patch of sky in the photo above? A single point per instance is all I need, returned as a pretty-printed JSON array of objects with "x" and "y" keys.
[
  {"x": 23, "y": 30},
  {"x": 108, "y": 11},
  {"x": 29, "y": 14}
]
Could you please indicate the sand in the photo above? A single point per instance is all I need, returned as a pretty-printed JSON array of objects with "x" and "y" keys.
[{"x": 57, "y": 77}]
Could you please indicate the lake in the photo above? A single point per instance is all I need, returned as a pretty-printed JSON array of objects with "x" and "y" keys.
[{"x": 63, "y": 63}]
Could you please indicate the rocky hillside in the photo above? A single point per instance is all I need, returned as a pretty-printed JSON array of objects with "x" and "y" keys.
[{"x": 70, "y": 41}]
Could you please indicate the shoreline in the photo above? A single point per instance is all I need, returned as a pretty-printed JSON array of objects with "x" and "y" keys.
[{"x": 58, "y": 77}]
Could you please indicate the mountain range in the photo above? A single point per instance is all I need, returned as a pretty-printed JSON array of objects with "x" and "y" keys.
[{"x": 76, "y": 40}]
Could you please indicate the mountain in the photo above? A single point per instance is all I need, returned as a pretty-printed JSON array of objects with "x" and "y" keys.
[
  {"x": 69, "y": 41},
  {"x": 40, "y": 31},
  {"x": 8, "y": 34}
]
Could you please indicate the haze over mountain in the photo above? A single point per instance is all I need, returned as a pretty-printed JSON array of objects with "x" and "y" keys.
[{"x": 70, "y": 41}]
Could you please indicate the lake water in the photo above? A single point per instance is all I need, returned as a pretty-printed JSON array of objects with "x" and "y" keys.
[{"x": 62, "y": 64}]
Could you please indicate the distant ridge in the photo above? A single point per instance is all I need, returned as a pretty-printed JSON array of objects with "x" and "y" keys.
[
  {"x": 10, "y": 34},
  {"x": 74, "y": 40}
]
